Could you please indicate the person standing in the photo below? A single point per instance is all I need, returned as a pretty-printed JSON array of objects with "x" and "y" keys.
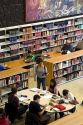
[{"x": 41, "y": 73}]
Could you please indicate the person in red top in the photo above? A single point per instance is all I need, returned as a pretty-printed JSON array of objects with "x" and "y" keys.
[{"x": 3, "y": 119}]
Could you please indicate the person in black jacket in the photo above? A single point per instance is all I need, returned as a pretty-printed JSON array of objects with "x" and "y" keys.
[
  {"x": 36, "y": 110},
  {"x": 14, "y": 100},
  {"x": 67, "y": 48}
]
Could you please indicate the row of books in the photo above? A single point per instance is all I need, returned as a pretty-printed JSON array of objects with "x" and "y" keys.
[
  {"x": 62, "y": 26},
  {"x": 40, "y": 37},
  {"x": 38, "y": 43},
  {"x": 7, "y": 90},
  {"x": 39, "y": 28},
  {"x": 15, "y": 46},
  {"x": 70, "y": 77},
  {"x": 57, "y": 34},
  {"x": 13, "y": 35},
  {"x": 22, "y": 85},
  {"x": 13, "y": 32},
  {"x": 68, "y": 63},
  {"x": 13, "y": 38},
  {"x": 14, "y": 52},
  {"x": 13, "y": 79},
  {"x": 50, "y": 39},
  {"x": 68, "y": 70}
]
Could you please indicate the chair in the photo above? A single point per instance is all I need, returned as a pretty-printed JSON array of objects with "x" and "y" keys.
[
  {"x": 11, "y": 111},
  {"x": 32, "y": 119}
]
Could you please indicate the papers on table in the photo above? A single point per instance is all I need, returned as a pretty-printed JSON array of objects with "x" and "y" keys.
[
  {"x": 43, "y": 92},
  {"x": 22, "y": 98},
  {"x": 66, "y": 101},
  {"x": 56, "y": 109},
  {"x": 39, "y": 91},
  {"x": 34, "y": 90},
  {"x": 47, "y": 96}
]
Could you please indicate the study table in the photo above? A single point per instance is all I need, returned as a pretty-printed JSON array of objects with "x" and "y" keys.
[{"x": 26, "y": 96}]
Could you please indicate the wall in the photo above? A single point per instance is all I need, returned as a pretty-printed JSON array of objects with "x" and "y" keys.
[{"x": 12, "y": 12}]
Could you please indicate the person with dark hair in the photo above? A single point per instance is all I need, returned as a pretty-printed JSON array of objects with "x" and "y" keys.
[
  {"x": 41, "y": 73},
  {"x": 29, "y": 55},
  {"x": 37, "y": 59},
  {"x": 67, "y": 48},
  {"x": 68, "y": 95},
  {"x": 35, "y": 108},
  {"x": 14, "y": 100},
  {"x": 3, "y": 119},
  {"x": 13, "y": 97},
  {"x": 53, "y": 87}
]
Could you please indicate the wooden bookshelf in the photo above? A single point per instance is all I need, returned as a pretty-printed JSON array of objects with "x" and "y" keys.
[
  {"x": 18, "y": 63},
  {"x": 10, "y": 72},
  {"x": 15, "y": 75},
  {"x": 15, "y": 40},
  {"x": 61, "y": 66}
]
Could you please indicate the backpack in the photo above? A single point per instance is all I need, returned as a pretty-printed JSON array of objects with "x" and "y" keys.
[{"x": 45, "y": 73}]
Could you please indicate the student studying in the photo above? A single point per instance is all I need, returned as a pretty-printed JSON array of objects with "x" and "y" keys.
[
  {"x": 67, "y": 48},
  {"x": 35, "y": 109},
  {"x": 13, "y": 101},
  {"x": 53, "y": 87}
]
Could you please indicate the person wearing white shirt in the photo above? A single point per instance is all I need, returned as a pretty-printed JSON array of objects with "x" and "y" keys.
[
  {"x": 72, "y": 99},
  {"x": 68, "y": 95}
]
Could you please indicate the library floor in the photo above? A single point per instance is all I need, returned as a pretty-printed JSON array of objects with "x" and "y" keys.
[{"x": 76, "y": 87}]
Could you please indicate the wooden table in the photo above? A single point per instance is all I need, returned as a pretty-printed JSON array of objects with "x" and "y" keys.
[
  {"x": 15, "y": 67},
  {"x": 44, "y": 100},
  {"x": 58, "y": 57},
  {"x": 18, "y": 63},
  {"x": 11, "y": 72},
  {"x": 54, "y": 54},
  {"x": 72, "y": 119}
]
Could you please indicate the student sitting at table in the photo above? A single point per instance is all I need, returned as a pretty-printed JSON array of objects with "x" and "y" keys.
[
  {"x": 53, "y": 87},
  {"x": 67, "y": 48},
  {"x": 3, "y": 119},
  {"x": 29, "y": 56},
  {"x": 14, "y": 100},
  {"x": 35, "y": 108},
  {"x": 68, "y": 95}
]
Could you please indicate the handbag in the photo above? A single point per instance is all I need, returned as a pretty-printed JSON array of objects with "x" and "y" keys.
[{"x": 60, "y": 107}]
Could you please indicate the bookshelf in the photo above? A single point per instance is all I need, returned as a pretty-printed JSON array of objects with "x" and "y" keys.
[
  {"x": 13, "y": 77},
  {"x": 65, "y": 68},
  {"x": 15, "y": 40}
]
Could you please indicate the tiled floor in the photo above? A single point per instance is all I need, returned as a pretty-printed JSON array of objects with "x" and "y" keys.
[{"x": 76, "y": 87}]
